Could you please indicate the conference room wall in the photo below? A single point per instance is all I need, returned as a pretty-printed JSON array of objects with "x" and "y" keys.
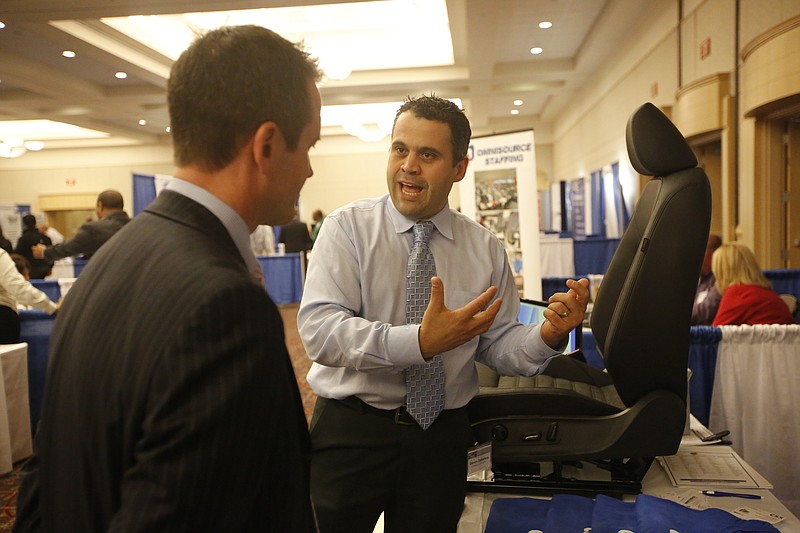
[
  {"x": 80, "y": 170},
  {"x": 591, "y": 133}
]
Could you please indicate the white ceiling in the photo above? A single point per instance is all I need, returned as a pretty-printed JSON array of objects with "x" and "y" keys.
[{"x": 491, "y": 66}]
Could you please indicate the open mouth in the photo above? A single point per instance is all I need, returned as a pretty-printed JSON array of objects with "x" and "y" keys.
[{"x": 410, "y": 190}]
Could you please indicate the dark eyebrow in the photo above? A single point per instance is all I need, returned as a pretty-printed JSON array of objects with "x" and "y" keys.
[{"x": 430, "y": 149}]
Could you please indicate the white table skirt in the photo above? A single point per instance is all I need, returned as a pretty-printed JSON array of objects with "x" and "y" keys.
[
  {"x": 15, "y": 417},
  {"x": 757, "y": 397}
]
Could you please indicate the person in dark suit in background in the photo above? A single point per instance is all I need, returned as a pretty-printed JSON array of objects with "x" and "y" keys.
[
  {"x": 91, "y": 235},
  {"x": 31, "y": 236},
  {"x": 171, "y": 403},
  {"x": 295, "y": 236}
]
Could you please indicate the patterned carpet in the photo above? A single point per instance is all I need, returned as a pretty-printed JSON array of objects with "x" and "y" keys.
[{"x": 300, "y": 361}]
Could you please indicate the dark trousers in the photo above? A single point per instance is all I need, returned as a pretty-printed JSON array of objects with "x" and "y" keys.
[
  {"x": 364, "y": 462},
  {"x": 9, "y": 325}
]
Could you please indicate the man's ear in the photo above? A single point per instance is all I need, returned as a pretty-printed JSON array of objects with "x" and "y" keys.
[
  {"x": 263, "y": 141},
  {"x": 461, "y": 169}
]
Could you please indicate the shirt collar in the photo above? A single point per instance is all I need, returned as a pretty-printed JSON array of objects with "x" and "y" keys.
[
  {"x": 443, "y": 220},
  {"x": 232, "y": 221}
]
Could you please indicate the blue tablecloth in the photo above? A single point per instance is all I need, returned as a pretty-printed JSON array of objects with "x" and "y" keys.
[
  {"x": 703, "y": 363},
  {"x": 283, "y": 275},
  {"x": 78, "y": 264},
  {"x": 592, "y": 256},
  {"x": 35, "y": 329},
  {"x": 49, "y": 287}
]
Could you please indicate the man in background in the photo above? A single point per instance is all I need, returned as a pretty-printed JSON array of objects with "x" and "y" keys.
[
  {"x": 707, "y": 298},
  {"x": 171, "y": 403},
  {"x": 30, "y": 240},
  {"x": 91, "y": 235}
]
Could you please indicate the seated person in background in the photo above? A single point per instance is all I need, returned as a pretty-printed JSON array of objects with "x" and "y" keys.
[
  {"x": 747, "y": 296},
  {"x": 93, "y": 234},
  {"x": 15, "y": 289},
  {"x": 707, "y": 298}
]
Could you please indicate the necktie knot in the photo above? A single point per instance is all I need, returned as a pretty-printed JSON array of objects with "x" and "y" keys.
[{"x": 422, "y": 231}]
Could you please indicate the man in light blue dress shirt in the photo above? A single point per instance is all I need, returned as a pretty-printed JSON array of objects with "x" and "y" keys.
[{"x": 368, "y": 455}]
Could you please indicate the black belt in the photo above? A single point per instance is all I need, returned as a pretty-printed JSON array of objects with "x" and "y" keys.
[{"x": 400, "y": 415}]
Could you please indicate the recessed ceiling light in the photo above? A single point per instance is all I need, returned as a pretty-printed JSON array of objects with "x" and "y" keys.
[
  {"x": 515, "y": 111},
  {"x": 143, "y": 122},
  {"x": 2, "y": 25},
  {"x": 34, "y": 146},
  {"x": 68, "y": 53},
  {"x": 168, "y": 129},
  {"x": 545, "y": 24},
  {"x": 517, "y": 102},
  {"x": 121, "y": 75},
  {"x": 536, "y": 50}
]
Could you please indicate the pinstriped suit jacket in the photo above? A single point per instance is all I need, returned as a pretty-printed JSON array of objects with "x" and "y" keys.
[{"x": 170, "y": 403}]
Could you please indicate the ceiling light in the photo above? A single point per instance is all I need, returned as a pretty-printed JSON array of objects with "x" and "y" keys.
[
  {"x": 15, "y": 147},
  {"x": 68, "y": 53},
  {"x": 545, "y": 24},
  {"x": 143, "y": 122},
  {"x": 168, "y": 129},
  {"x": 536, "y": 50},
  {"x": 515, "y": 111},
  {"x": 517, "y": 102},
  {"x": 2, "y": 25},
  {"x": 34, "y": 146},
  {"x": 336, "y": 31},
  {"x": 121, "y": 75}
]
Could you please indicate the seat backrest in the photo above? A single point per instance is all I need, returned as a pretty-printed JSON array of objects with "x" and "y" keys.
[{"x": 642, "y": 313}]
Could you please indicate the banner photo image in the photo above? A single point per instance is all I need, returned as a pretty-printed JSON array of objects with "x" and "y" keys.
[{"x": 499, "y": 192}]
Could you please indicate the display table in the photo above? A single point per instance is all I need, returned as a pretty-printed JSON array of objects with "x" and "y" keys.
[
  {"x": 656, "y": 483},
  {"x": 283, "y": 276},
  {"x": 15, "y": 427}
]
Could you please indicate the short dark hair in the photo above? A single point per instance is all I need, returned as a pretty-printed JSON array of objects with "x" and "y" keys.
[
  {"x": 110, "y": 199},
  {"x": 229, "y": 82},
  {"x": 441, "y": 110},
  {"x": 21, "y": 263},
  {"x": 29, "y": 221}
]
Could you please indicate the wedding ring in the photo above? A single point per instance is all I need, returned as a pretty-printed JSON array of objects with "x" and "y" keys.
[{"x": 564, "y": 315}]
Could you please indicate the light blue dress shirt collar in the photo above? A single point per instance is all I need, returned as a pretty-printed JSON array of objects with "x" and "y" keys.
[
  {"x": 232, "y": 221},
  {"x": 443, "y": 220}
]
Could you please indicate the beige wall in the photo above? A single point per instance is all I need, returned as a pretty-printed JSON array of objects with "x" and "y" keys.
[{"x": 87, "y": 171}]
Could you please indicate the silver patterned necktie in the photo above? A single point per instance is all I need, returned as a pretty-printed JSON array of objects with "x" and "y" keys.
[{"x": 424, "y": 382}]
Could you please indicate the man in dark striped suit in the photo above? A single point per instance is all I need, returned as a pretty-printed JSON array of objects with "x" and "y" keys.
[{"x": 171, "y": 403}]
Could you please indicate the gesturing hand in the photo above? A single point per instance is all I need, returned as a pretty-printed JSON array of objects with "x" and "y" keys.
[
  {"x": 443, "y": 329},
  {"x": 565, "y": 312}
]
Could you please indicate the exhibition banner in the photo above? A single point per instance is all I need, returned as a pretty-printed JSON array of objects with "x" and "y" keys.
[{"x": 499, "y": 191}]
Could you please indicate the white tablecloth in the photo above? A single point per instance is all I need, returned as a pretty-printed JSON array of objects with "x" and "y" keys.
[
  {"x": 757, "y": 397},
  {"x": 15, "y": 417},
  {"x": 557, "y": 257}
]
